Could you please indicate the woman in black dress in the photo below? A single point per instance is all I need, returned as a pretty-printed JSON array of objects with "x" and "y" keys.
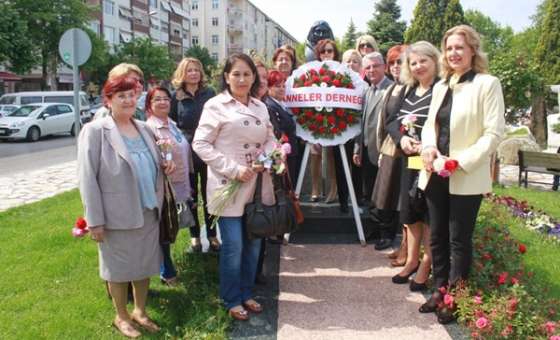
[{"x": 419, "y": 72}]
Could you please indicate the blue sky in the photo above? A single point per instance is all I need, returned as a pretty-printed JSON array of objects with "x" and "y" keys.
[{"x": 296, "y": 16}]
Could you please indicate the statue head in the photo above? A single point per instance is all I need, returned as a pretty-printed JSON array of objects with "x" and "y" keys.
[{"x": 319, "y": 30}]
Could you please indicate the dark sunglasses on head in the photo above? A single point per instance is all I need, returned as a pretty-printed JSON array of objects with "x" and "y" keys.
[{"x": 365, "y": 45}]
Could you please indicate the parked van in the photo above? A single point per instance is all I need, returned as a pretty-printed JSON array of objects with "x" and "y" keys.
[{"x": 23, "y": 98}]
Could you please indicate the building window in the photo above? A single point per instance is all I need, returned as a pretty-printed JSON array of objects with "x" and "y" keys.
[
  {"x": 214, "y": 39},
  {"x": 195, "y": 22},
  {"x": 194, "y": 40},
  {"x": 109, "y": 34},
  {"x": 108, "y": 7},
  {"x": 94, "y": 25},
  {"x": 194, "y": 5},
  {"x": 214, "y": 21},
  {"x": 215, "y": 4},
  {"x": 152, "y": 3},
  {"x": 215, "y": 56},
  {"x": 164, "y": 26}
]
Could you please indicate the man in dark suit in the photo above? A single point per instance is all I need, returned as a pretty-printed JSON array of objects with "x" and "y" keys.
[{"x": 366, "y": 154}]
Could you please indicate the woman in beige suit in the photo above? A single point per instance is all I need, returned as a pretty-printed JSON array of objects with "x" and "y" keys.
[
  {"x": 233, "y": 129},
  {"x": 121, "y": 187},
  {"x": 465, "y": 123}
]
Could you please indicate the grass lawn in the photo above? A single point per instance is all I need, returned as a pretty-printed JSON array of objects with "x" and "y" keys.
[
  {"x": 543, "y": 254},
  {"x": 50, "y": 286}
]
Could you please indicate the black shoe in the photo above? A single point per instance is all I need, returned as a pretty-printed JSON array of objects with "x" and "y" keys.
[
  {"x": 445, "y": 315},
  {"x": 403, "y": 279},
  {"x": 431, "y": 305},
  {"x": 344, "y": 207},
  {"x": 417, "y": 287},
  {"x": 260, "y": 279},
  {"x": 383, "y": 243}
]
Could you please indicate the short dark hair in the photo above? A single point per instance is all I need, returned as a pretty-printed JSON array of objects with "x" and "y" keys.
[
  {"x": 150, "y": 97},
  {"x": 229, "y": 65}
]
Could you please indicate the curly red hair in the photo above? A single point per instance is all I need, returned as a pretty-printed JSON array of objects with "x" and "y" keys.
[
  {"x": 118, "y": 84},
  {"x": 275, "y": 77}
]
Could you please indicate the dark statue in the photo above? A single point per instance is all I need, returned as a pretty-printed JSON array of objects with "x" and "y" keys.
[{"x": 319, "y": 30}]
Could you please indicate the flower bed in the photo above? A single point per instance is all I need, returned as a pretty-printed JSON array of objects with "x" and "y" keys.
[
  {"x": 502, "y": 299},
  {"x": 535, "y": 219}
]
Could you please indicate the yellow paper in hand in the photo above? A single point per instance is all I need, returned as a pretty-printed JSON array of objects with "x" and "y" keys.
[{"x": 415, "y": 163}]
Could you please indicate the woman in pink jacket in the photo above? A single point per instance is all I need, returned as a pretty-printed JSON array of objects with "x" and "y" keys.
[{"x": 233, "y": 129}]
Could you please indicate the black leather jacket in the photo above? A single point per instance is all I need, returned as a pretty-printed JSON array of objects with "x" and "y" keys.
[{"x": 186, "y": 112}]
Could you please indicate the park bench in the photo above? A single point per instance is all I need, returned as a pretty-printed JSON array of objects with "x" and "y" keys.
[{"x": 540, "y": 162}]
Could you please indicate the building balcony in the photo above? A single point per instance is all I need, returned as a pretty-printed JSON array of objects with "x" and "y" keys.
[
  {"x": 235, "y": 11},
  {"x": 234, "y": 28}
]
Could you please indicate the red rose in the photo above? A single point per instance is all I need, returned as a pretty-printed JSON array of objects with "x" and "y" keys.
[
  {"x": 316, "y": 79},
  {"x": 302, "y": 77},
  {"x": 309, "y": 114},
  {"x": 312, "y": 72},
  {"x": 296, "y": 110},
  {"x": 342, "y": 125},
  {"x": 331, "y": 73},
  {"x": 502, "y": 278},
  {"x": 81, "y": 223},
  {"x": 331, "y": 120},
  {"x": 308, "y": 83},
  {"x": 322, "y": 71},
  {"x": 326, "y": 79},
  {"x": 284, "y": 138},
  {"x": 350, "y": 86},
  {"x": 522, "y": 248},
  {"x": 451, "y": 165},
  {"x": 312, "y": 127},
  {"x": 350, "y": 119},
  {"x": 334, "y": 130},
  {"x": 322, "y": 129},
  {"x": 336, "y": 83},
  {"x": 301, "y": 120},
  {"x": 319, "y": 118},
  {"x": 339, "y": 112}
]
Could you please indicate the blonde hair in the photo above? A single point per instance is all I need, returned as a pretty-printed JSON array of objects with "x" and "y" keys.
[
  {"x": 123, "y": 69},
  {"x": 181, "y": 73},
  {"x": 422, "y": 48},
  {"x": 348, "y": 54},
  {"x": 366, "y": 38},
  {"x": 479, "y": 62}
]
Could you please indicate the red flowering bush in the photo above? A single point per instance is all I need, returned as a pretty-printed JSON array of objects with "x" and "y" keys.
[
  {"x": 325, "y": 122},
  {"x": 500, "y": 300}
]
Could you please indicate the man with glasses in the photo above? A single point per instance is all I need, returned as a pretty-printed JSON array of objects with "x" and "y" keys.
[{"x": 366, "y": 154}]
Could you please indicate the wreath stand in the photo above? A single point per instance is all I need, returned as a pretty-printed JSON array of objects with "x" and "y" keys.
[{"x": 355, "y": 208}]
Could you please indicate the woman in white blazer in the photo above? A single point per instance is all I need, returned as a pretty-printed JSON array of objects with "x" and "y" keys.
[
  {"x": 465, "y": 123},
  {"x": 121, "y": 185}
]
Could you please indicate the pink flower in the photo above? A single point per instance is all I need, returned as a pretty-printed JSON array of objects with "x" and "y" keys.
[
  {"x": 550, "y": 327},
  {"x": 448, "y": 299},
  {"x": 502, "y": 278},
  {"x": 554, "y": 337},
  {"x": 444, "y": 173},
  {"x": 482, "y": 323},
  {"x": 77, "y": 232},
  {"x": 477, "y": 300},
  {"x": 507, "y": 331},
  {"x": 286, "y": 148}
]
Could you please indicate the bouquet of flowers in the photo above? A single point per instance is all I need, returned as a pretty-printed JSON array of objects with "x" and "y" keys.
[
  {"x": 408, "y": 125},
  {"x": 445, "y": 167},
  {"x": 274, "y": 161},
  {"x": 325, "y": 122},
  {"x": 80, "y": 228},
  {"x": 165, "y": 146}
]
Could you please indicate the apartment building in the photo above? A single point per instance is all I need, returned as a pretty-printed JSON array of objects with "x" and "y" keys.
[{"x": 229, "y": 26}]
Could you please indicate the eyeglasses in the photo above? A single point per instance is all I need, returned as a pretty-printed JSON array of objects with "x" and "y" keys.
[
  {"x": 161, "y": 99},
  {"x": 327, "y": 50},
  {"x": 372, "y": 66},
  {"x": 365, "y": 45}
]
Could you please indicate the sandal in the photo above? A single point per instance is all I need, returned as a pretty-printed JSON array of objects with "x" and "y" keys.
[
  {"x": 126, "y": 328},
  {"x": 214, "y": 244},
  {"x": 239, "y": 314},
  {"x": 146, "y": 323},
  {"x": 253, "y": 306}
]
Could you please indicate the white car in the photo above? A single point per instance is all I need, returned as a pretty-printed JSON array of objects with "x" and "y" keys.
[
  {"x": 35, "y": 120},
  {"x": 7, "y": 109}
]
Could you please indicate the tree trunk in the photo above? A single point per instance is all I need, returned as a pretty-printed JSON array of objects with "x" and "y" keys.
[
  {"x": 538, "y": 120},
  {"x": 44, "y": 60},
  {"x": 52, "y": 70}
]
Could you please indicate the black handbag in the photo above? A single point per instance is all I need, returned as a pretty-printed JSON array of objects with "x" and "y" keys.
[
  {"x": 169, "y": 221},
  {"x": 269, "y": 220}
]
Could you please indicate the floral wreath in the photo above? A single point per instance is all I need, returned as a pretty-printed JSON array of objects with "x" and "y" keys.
[{"x": 324, "y": 122}]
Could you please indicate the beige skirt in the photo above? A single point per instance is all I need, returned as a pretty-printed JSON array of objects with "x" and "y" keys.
[{"x": 131, "y": 255}]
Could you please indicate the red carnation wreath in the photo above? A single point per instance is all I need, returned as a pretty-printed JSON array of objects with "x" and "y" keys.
[{"x": 319, "y": 85}]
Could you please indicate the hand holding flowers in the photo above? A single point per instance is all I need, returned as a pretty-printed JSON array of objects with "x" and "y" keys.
[
  {"x": 80, "y": 228},
  {"x": 444, "y": 166}
]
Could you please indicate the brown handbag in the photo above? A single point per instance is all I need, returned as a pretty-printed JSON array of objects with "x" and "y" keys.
[
  {"x": 293, "y": 197},
  {"x": 169, "y": 222}
]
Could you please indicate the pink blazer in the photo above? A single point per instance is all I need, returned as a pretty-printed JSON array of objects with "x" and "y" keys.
[{"x": 230, "y": 135}]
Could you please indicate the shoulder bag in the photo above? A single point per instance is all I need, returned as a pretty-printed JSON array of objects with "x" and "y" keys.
[
  {"x": 169, "y": 222},
  {"x": 269, "y": 220}
]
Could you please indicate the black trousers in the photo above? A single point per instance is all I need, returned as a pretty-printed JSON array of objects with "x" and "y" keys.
[
  {"x": 452, "y": 221},
  {"x": 369, "y": 173},
  {"x": 199, "y": 178},
  {"x": 341, "y": 185}
]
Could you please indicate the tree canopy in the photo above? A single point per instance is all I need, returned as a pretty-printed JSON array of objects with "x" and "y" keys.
[
  {"x": 349, "y": 39},
  {"x": 432, "y": 18},
  {"x": 386, "y": 25},
  {"x": 202, "y": 54},
  {"x": 15, "y": 48}
]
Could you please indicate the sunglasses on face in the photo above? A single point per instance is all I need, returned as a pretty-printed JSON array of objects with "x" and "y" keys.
[
  {"x": 395, "y": 62},
  {"x": 327, "y": 50},
  {"x": 365, "y": 45}
]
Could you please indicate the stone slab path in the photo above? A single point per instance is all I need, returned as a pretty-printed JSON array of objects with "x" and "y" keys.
[{"x": 345, "y": 292}]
